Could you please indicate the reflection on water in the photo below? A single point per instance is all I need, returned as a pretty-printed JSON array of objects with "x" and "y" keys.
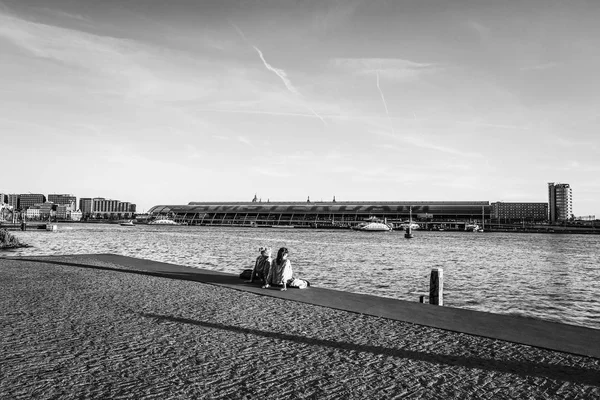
[{"x": 554, "y": 277}]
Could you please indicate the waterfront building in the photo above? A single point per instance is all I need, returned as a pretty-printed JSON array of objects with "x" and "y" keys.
[
  {"x": 519, "y": 212},
  {"x": 33, "y": 212},
  {"x": 325, "y": 214},
  {"x": 13, "y": 201},
  {"x": 86, "y": 206},
  {"x": 75, "y": 215},
  {"x": 107, "y": 208},
  {"x": 560, "y": 202},
  {"x": 64, "y": 199},
  {"x": 30, "y": 199},
  {"x": 63, "y": 211},
  {"x": 47, "y": 209}
]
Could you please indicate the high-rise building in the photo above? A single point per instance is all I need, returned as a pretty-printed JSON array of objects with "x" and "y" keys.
[
  {"x": 86, "y": 206},
  {"x": 13, "y": 201},
  {"x": 30, "y": 199},
  {"x": 63, "y": 199},
  {"x": 3, "y": 198},
  {"x": 560, "y": 201}
]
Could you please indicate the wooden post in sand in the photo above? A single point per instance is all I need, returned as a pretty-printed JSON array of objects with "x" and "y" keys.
[{"x": 436, "y": 287}]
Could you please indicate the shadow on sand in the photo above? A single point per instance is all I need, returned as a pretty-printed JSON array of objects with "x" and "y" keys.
[{"x": 543, "y": 370}]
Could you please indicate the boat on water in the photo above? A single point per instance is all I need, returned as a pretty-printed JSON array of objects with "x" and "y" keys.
[
  {"x": 408, "y": 224},
  {"x": 164, "y": 221},
  {"x": 373, "y": 224},
  {"x": 283, "y": 226},
  {"x": 128, "y": 223},
  {"x": 473, "y": 228}
]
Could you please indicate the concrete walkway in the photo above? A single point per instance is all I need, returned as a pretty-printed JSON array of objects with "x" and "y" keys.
[{"x": 542, "y": 334}]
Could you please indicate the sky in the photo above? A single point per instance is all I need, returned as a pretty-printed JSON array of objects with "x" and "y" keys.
[{"x": 378, "y": 100}]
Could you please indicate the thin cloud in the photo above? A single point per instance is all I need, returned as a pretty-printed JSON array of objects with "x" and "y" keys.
[
  {"x": 64, "y": 14},
  {"x": 482, "y": 31},
  {"x": 419, "y": 142},
  {"x": 102, "y": 55},
  {"x": 239, "y": 31},
  {"x": 332, "y": 14},
  {"x": 288, "y": 84},
  {"x": 492, "y": 125},
  {"x": 245, "y": 140},
  {"x": 279, "y": 72},
  {"x": 540, "y": 67},
  {"x": 274, "y": 113},
  {"x": 272, "y": 172},
  {"x": 387, "y": 112},
  {"x": 390, "y": 68}
]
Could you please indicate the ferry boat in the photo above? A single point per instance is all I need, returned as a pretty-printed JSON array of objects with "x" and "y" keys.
[
  {"x": 373, "y": 224},
  {"x": 163, "y": 221}
]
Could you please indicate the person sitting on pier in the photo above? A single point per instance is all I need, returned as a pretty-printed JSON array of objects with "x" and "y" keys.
[
  {"x": 281, "y": 270},
  {"x": 262, "y": 266}
]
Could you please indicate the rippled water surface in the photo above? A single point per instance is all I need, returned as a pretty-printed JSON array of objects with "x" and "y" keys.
[{"x": 553, "y": 277}]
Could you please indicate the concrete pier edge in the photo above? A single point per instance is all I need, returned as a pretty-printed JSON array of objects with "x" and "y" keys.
[{"x": 528, "y": 331}]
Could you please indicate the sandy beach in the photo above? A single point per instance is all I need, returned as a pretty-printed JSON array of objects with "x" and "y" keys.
[{"x": 70, "y": 332}]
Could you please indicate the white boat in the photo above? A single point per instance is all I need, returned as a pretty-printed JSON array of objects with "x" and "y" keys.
[
  {"x": 412, "y": 225},
  {"x": 163, "y": 221},
  {"x": 128, "y": 223},
  {"x": 373, "y": 224},
  {"x": 472, "y": 228}
]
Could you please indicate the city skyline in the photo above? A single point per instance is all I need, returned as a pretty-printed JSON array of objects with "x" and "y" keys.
[{"x": 365, "y": 101}]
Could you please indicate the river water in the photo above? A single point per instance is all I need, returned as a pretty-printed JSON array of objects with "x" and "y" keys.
[{"x": 547, "y": 276}]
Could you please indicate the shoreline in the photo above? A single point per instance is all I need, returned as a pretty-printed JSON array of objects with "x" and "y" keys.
[
  {"x": 102, "y": 331},
  {"x": 545, "y": 229}
]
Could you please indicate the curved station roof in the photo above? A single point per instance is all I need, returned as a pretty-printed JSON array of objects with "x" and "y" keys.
[{"x": 435, "y": 208}]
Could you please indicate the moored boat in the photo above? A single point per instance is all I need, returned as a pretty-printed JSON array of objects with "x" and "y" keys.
[
  {"x": 163, "y": 221},
  {"x": 373, "y": 224},
  {"x": 128, "y": 223},
  {"x": 408, "y": 224},
  {"x": 473, "y": 228}
]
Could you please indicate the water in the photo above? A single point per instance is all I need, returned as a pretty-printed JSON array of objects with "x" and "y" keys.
[{"x": 551, "y": 277}]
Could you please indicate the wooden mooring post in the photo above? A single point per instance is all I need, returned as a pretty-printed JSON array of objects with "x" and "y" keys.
[{"x": 436, "y": 287}]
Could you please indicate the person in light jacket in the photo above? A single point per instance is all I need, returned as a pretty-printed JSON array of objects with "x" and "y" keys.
[{"x": 281, "y": 270}]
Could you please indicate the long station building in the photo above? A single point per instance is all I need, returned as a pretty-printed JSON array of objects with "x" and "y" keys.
[{"x": 340, "y": 214}]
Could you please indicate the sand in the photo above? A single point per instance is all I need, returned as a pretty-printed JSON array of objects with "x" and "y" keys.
[{"x": 68, "y": 332}]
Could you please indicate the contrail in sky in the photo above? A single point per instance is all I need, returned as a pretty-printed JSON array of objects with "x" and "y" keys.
[
  {"x": 239, "y": 31},
  {"x": 384, "y": 103},
  {"x": 279, "y": 72}
]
